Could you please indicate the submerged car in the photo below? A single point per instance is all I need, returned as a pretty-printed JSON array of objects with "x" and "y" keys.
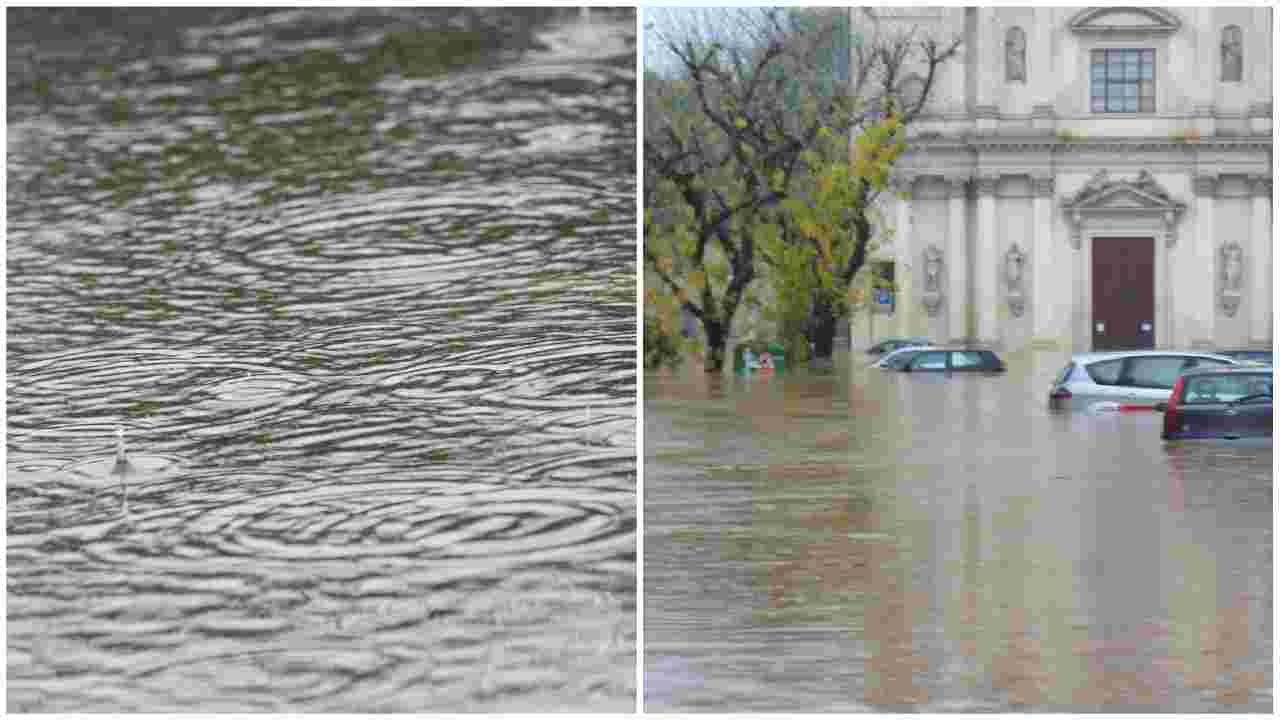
[
  {"x": 1134, "y": 380},
  {"x": 895, "y": 358},
  {"x": 888, "y": 346},
  {"x": 1229, "y": 403},
  {"x": 948, "y": 360}
]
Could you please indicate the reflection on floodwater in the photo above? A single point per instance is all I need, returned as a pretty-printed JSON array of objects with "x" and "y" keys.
[{"x": 879, "y": 541}]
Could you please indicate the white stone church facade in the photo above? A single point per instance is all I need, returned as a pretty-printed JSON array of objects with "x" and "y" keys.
[{"x": 1087, "y": 178}]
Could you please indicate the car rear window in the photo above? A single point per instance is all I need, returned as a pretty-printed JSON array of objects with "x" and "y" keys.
[
  {"x": 1156, "y": 371},
  {"x": 1106, "y": 372},
  {"x": 1209, "y": 389},
  {"x": 965, "y": 359}
]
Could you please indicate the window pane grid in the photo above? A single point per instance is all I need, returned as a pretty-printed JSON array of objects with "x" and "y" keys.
[{"x": 1122, "y": 80}]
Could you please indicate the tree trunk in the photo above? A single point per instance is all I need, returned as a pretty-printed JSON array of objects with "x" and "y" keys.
[
  {"x": 822, "y": 328},
  {"x": 717, "y": 339}
]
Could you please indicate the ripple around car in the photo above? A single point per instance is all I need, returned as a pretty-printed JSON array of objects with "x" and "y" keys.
[{"x": 1124, "y": 381}]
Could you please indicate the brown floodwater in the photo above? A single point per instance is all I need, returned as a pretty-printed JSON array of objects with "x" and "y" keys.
[{"x": 871, "y": 541}]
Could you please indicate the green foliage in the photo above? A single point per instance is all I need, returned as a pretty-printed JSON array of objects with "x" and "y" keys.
[{"x": 813, "y": 264}]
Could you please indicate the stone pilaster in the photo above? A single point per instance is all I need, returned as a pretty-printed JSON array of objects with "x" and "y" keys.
[
  {"x": 1206, "y": 264},
  {"x": 902, "y": 243},
  {"x": 1044, "y": 275},
  {"x": 990, "y": 58},
  {"x": 1260, "y": 286},
  {"x": 957, "y": 260},
  {"x": 986, "y": 292}
]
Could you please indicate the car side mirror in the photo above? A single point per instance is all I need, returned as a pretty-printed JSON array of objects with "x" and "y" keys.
[{"x": 1162, "y": 407}]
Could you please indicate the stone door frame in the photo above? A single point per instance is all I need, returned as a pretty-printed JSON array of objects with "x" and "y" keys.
[{"x": 1106, "y": 208}]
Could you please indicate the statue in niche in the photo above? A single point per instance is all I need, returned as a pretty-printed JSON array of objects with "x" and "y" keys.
[
  {"x": 1232, "y": 256},
  {"x": 1015, "y": 55},
  {"x": 1014, "y": 260},
  {"x": 932, "y": 280},
  {"x": 1232, "y": 54}
]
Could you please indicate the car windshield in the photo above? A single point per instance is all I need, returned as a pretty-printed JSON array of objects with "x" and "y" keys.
[
  {"x": 900, "y": 360},
  {"x": 1209, "y": 389}
]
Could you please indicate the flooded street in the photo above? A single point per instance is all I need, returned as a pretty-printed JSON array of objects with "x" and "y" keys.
[
  {"x": 871, "y": 541},
  {"x": 359, "y": 288}
]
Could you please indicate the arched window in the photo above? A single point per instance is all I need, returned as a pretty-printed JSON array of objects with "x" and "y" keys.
[
  {"x": 1015, "y": 55},
  {"x": 1232, "y": 54}
]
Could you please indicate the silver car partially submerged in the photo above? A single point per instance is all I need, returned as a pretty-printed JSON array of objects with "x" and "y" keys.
[{"x": 1129, "y": 380}]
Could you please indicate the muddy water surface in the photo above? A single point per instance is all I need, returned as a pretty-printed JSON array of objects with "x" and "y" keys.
[{"x": 864, "y": 541}]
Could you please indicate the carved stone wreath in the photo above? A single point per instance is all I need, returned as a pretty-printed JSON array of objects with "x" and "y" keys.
[
  {"x": 1230, "y": 277},
  {"x": 1014, "y": 265},
  {"x": 932, "y": 297}
]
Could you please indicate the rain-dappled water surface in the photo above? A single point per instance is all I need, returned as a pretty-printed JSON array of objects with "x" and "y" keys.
[
  {"x": 359, "y": 288},
  {"x": 867, "y": 541}
]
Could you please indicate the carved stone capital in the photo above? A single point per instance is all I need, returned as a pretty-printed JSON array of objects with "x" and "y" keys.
[
  {"x": 1169, "y": 221},
  {"x": 1260, "y": 109},
  {"x": 1204, "y": 110},
  {"x": 1260, "y": 185},
  {"x": 955, "y": 185},
  {"x": 903, "y": 183},
  {"x": 1043, "y": 185},
  {"x": 1205, "y": 185},
  {"x": 1042, "y": 111},
  {"x": 986, "y": 184}
]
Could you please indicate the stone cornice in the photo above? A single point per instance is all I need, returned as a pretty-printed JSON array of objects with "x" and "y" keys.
[
  {"x": 1049, "y": 143},
  {"x": 1205, "y": 185}
]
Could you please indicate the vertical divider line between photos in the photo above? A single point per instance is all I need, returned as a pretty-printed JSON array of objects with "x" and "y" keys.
[
  {"x": 639, "y": 385},
  {"x": 1275, "y": 308}
]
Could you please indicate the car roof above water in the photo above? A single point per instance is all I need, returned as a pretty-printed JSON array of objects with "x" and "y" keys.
[
  {"x": 1232, "y": 370},
  {"x": 1086, "y": 358}
]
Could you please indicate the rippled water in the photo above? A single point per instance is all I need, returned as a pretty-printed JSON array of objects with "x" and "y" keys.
[
  {"x": 359, "y": 287},
  {"x": 870, "y": 541}
]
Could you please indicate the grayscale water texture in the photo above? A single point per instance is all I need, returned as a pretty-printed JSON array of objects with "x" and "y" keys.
[
  {"x": 359, "y": 287},
  {"x": 889, "y": 542}
]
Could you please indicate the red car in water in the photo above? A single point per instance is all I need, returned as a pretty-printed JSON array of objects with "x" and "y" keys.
[{"x": 1228, "y": 403}]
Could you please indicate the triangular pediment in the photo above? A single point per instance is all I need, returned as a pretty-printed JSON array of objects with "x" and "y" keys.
[
  {"x": 1140, "y": 193},
  {"x": 1122, "y": 197},
  {"x": 1125, "y": 20},
  {"x": 1141, "y": 199}
]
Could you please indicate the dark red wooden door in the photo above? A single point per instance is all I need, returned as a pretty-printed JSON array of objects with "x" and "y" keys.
[{"x": 1123, "y": 293}]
